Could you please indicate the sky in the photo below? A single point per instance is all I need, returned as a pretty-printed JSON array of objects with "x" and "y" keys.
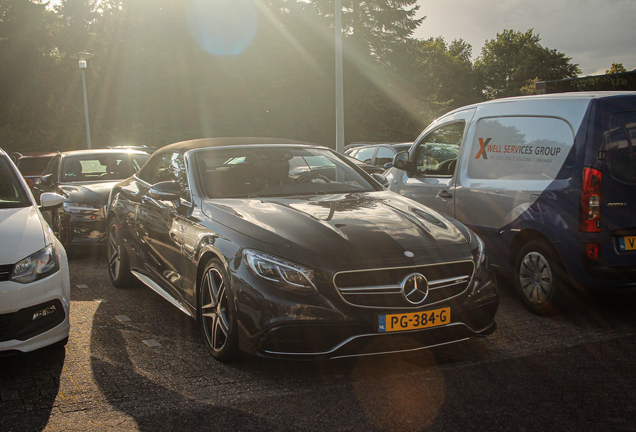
[{"x": 593, "y": 33}]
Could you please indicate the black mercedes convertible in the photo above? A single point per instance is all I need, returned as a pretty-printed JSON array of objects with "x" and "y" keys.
[{"x": 286, "y": 249}]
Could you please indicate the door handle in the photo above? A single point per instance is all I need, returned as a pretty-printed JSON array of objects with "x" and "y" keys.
[{"x": 445, "y": 194}]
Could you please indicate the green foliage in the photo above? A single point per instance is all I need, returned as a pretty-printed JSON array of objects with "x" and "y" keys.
[
  {"x": 449, "y": 68},
  {"x": 374, "y": 25},
  {"x": 616, "y": 68},
  {"x": 511, "y": 59},
  {"x": 155, "y": 79}
]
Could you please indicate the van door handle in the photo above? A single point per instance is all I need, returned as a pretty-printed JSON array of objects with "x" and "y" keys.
[{"x": 445, "y": 194}]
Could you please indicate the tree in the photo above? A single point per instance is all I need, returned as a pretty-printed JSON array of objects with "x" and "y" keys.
[
  {"x": 450, "y": 68},
  {"x": 616, "y": 68},
  {"x": 511, "y": 59},
  {"x": 27, "y": 76},
  {"x": 374, "y": 26}
]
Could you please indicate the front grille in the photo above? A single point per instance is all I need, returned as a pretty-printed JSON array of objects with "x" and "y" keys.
[
  {"x": 5, "y": 272},
  {"x": 382, "y": 288}
]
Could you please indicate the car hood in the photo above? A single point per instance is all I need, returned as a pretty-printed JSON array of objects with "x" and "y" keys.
[
  {"x": 93, "y": 193},
  {"x": 338, "y": 224},
  {"x": 22, "y": 228}
]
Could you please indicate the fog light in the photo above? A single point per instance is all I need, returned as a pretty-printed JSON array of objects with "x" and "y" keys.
[
  {"x": 44, "y": 312},
  {"x": 592, "y": 251}
]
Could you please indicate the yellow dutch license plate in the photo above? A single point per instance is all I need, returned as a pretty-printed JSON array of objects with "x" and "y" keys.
[
  {"x": 414, "y": 320},
  {"x": 627, "y": 243}
]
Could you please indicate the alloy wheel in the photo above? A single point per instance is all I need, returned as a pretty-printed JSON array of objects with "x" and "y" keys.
[
  {"x": 214, "y": 310},
  {"x": 114, "y": 253}
]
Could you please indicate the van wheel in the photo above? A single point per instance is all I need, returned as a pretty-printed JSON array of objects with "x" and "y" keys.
[
  {"x": 539, "y": 277},
  {"x": 217, "y": 314}
]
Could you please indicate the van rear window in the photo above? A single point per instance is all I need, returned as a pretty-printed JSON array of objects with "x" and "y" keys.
[
  {"x": 620, "y": 147},
  {"x": 520, "y": 148}
]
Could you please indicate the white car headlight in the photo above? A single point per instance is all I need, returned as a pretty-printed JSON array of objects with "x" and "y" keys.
[
  {"x": 36, "y": 266},
  {"x": 288, "y": 275}
]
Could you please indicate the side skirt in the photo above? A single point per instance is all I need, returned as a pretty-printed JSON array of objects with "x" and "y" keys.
[{"x": 156, "y": 288}]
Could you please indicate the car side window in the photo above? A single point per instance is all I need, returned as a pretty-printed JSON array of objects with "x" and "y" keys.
[
  {"x": 365, "y": 154},
  {"x": 148, "y": 171},
  {"x": 172, "y": 168},
  {"x": 436, "y": 154},
  {"x": 620, "y": 146},
  {"x": 51, "y": 167},
  {"x": 384, "y": 156}
]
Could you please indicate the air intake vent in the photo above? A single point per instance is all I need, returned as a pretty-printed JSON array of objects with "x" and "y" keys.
[{"x": 5, "y": 272}]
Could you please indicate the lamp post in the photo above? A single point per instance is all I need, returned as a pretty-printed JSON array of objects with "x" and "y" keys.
[
  {"x": 339, "y": 79},
  {"x": 82, "y": 57}
]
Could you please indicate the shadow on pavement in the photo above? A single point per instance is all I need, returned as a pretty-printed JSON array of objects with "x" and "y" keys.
[
  {"x": 29, "y": 385},
  {"x": 180, "y": 387},
  {"x": 170, "y": 389},
  {"x": 140, "y": 385}
]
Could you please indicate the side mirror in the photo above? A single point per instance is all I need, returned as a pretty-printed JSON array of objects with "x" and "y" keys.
[
  {"x": 401, "y": 161},
  {"x": 50, "y": 201},
  {"x": 166, "y": 191},
  {"x": 380, "y": 178}
]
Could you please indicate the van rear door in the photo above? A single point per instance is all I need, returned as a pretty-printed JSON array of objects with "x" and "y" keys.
[{"x": 618, "y": 199}]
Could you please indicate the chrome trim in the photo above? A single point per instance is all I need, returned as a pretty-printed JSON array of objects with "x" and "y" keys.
[
  {"x": 449, "y": 281},
  {"x": 403, "y": 267},
  {"x": 346, "y": 341},
  {"x": 404, "y": 350},
  {"x": 459, "y": 279},
  {"x": 438, "y": 284},
  {"x": 156, "y": 288},
  {"x": 415, "y": 289},
  {"x": 371, "y": 288}
]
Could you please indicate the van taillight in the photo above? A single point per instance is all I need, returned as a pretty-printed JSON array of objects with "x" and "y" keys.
[{"x": 590, "y": 207}]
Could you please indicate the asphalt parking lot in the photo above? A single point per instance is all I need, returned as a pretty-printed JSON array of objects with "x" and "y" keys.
[{"x": 134, "y": 362}]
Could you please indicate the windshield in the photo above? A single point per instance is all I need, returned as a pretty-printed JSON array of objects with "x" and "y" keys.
[
  {"x": 12, "y": 194},
  {"x": 258, "y": 171},
  {"x": 101, "y": 167},
  {"x": 33, "y": 165}
]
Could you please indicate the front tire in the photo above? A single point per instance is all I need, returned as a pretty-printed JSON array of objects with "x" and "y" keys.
[
  {"x": 217, "y": 314},
  {"x": 118, "y": 262},
  {"x": 540, "y": 278},
  {"x": 59, "y": 231}
]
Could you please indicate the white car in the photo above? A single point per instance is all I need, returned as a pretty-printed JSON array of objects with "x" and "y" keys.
[{"x": 35, "y": 291}]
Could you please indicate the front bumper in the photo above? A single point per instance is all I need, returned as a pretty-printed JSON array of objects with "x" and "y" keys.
[
  {"x": 19, "y": 330},
  {"x": 324, "y": 341},
  {"x": 276, "y": 325},
  {"x": 80, "y": 228}
]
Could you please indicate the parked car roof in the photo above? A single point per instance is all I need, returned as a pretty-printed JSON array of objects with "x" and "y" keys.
[
  {"x": 101, "y": 151},
  {"x": 230, "y": 141}
]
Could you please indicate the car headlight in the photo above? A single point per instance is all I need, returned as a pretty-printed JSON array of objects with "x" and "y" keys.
[
  {"x": 73, "y": 207},
  {"x": 36, "y": 266},
  {"x": 288, "y": 275}
]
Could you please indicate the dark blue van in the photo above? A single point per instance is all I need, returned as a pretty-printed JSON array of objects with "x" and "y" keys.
[{"x": 547, "y": 181}]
